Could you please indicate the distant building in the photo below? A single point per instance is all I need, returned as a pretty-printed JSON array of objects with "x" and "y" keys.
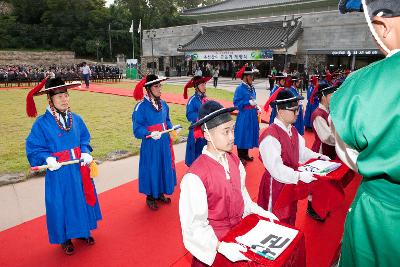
[{"x": 291, "y": 34}]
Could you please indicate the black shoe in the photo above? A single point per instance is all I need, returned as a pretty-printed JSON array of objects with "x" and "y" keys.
[
  {"x": 163, "y": 199},
  {"x": 89, "y": 241},
  {"x": 244, "y": 162},
  {"x": 247, "y": 158},
  {"x": 68, "y": 247},
  {"x": 311, "y": 212},
  {"x": 151, "y": 202}
]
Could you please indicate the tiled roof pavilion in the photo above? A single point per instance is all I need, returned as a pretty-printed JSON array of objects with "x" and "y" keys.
[{"x": 266, "y": 35}]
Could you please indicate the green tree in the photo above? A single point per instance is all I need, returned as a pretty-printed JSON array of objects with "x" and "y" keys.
[{"x": 79, "y": 24}]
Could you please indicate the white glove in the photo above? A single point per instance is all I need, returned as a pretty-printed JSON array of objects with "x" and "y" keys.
[
  {"x": 232, "y": 251},
  {"x": 53, "y": 164},
  {"x": 306, "y": 177},
  {"x": 87, "y": 158},
  {"x": 323, "y": 157},
  {"x": 155, "y": 135},
  {"x": 252, "y": 102},
  {"x": 268, "y": 215}
]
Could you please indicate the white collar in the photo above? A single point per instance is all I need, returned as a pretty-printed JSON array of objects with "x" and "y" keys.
[
  {"x": 323, "y": 107},
  {"x": 288, "y": 129},
  {"x": 395, "y": 51},
  {"x": 250, "y": 86},
  {"x": 221, "y": 160},
  {"x": 151, "y": 100}
]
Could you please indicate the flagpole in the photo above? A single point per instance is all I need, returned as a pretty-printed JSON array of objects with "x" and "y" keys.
[
  {"x": 133, "y": 42},
  {"x": 140, "y": 41}
]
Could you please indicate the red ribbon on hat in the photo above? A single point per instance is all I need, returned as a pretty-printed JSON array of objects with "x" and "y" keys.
[
  {"x": 138, "y": 91},
  {"x": 314, "y": 80},
  {"x": 188, "y": 85},
  {"x": 30, "y": 103},
  {"x": 313, "y": 93},
  {"x": 198, "y": 132},
  {"x": 191, "y": 83},
  {"x": 328, "y": 77},
  {"x": 272, "y": 98},
  {"x": 288, "y": 82},
  {"x": 240, "y": 72}
]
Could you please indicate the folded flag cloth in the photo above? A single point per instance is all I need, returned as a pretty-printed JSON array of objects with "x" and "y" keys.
[{"x": 320, "y": 167}]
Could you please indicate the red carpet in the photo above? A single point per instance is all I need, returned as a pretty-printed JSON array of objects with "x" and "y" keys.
[
  {"x": 132, "y": 235},
  {"x": 129, "y": 235}
]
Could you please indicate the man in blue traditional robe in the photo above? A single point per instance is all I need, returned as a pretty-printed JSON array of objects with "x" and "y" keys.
[
  {"x": 295, "y": 87},
  {"x": 72, "y": 208},
  {"x": 247, "y": 127},
  {"x": 157, "y": 175},
  {"x": 280, "y": 81},
  {"x": 311, "y": 105},
  {"x": 194, "y": 144}
]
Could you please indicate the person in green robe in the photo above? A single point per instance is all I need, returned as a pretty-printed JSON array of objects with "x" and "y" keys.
[{"x": 365, "y": 112}]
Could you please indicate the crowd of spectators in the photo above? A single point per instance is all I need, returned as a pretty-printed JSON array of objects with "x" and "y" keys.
[{"x": 16, "y": 74}]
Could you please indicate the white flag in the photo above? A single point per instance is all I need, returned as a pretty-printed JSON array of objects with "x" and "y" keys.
[
  {"x": 131, "y": 29},
  {"x": 140, "y": 26}
]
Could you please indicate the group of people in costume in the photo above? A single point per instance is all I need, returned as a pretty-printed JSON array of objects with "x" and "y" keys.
[
  {"x": 358, "y": 124},
  {"x": 213, "y": 197}
]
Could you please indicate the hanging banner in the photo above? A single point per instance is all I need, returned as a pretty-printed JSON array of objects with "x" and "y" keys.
[{"x": 230, "y": 55}]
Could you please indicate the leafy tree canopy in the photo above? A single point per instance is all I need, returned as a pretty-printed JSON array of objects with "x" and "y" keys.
[{"x": 85, "y": 26}]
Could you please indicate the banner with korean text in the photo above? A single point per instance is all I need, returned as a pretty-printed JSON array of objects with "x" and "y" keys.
[{"x": 230, "y": 55}]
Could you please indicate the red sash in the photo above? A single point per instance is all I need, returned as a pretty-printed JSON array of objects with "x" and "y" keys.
[
  {"x": 88, "y": 188},
  {"x": 248, "y": 107}
]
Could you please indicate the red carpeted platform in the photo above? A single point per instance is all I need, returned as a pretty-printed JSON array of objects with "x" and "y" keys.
[{"x": 132, "y": 235}]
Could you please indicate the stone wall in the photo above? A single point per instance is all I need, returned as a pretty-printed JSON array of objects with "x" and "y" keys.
[
  {"x": 332, "y": 31},
  {"x": 37, "y": 58},
  {"x": 167, "y": 40}
]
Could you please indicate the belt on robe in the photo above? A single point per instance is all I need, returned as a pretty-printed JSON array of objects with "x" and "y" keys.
[
  {"x": 162, "y": 127},
  {"x": 248, "y": 107},
  {"x": 88, "y": 188}
]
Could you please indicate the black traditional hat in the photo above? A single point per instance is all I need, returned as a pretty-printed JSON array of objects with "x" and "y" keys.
[
  {"x": 153, "y": 79},
  {"x": 195, "y": 81},
  {"x": 147, "y": 82},
  {"x": 383, "y": 8},
  {"x": 283, "y": 98},
  {"x": 286, "y": 99},
  {"x": 280, "y": 75},
  {"x": 324, "y": 89},
  {"x": 213, "y": 114},
  {"x": 47, "y": 86},
  {"x": 245, "y": 71}
]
